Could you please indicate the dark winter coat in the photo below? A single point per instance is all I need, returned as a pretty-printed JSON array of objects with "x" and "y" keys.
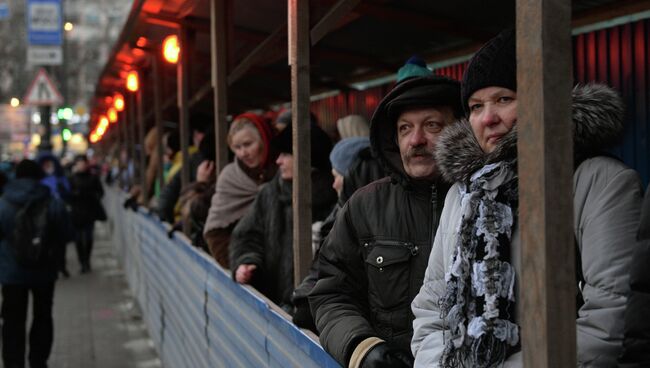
[
  {"x": 17, "y": 193},
  {"x": 636, "y": 342},
  {"x": 264, "y": 236},
  {"x": 85, "y": 194},
  {"x": 171, "y": 192},
  {"x": 372, "y": 263}
]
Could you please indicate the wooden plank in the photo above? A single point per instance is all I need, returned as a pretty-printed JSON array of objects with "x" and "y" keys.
[
  {"x": 157, "y": 76},
  {"x": 332, "y": 19},
  {"x": 132, "y": 138},
  {"x": 548, "y": 282},
  {"x": 142, "y": 166},
  {"x": 298, "y": 12},
  {"x": 609, "y": 11},
  {"x": 258, "y": 54},
  {"x": 182, "y": 77},
  {"x": 219, "y": 53}
]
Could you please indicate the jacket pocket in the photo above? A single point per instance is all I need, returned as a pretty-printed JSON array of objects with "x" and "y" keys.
[{"x": 388, "y": 266}]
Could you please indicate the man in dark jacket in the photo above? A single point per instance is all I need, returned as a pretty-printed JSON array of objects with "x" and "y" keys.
[
  {"x": 86, "y": 207},
  {"x": 261, "y": 247},
  {"x": 19, "y": 280},
  {"x": 373, "y": 261}
]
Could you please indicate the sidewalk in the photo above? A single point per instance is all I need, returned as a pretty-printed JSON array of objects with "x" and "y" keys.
[{"x": 96, "y": 322}]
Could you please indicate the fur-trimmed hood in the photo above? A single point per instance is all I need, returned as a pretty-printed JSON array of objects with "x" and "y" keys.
[{"x": 597, "y": 114}]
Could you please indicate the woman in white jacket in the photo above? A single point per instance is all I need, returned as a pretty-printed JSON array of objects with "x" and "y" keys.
[{"x": 465, "y": 313}]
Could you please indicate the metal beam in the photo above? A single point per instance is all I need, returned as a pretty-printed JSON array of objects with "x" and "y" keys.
[
  {"x": 258, "y": 54},
  {"x": 330, "y": 20},
  {"x": 219, "y": 54},
  {"x": 548, "y": 282},
  {"x": 300, "y": 92}
]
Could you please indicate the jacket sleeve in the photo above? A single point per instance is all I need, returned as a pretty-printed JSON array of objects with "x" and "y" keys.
[
  {"x": 247, "y": 240},
  {"x": 339, "y": 299},
  {"x": 607, "y": 205}
]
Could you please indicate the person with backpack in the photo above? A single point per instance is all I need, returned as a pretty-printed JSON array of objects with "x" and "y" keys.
[
  {"x": 32, "y": 225},
  {"x": 85, "y": 201},
  {"x": 57, "y": 181}
]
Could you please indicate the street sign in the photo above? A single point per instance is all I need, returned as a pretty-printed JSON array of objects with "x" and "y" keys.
[
  {"x": 44, "y": 22},
  {"x": 44, "y": 55},
  {"x": 42, "y": 91},
  {"x": 4, "y": 9},
  {"x": 44, "y": 32}
]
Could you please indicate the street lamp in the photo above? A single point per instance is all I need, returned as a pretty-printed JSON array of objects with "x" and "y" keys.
[
  {"x": 132, "y": 82},
  {"x": 68, "y": 26},
  {"x": 171, "y": 49},
  {"x": 118, "y": 102},
  {"x": 14, "y": 102}
]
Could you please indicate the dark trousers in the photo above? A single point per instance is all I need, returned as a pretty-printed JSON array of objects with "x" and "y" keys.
[
  {"x": 84, "y": 243},
  {"x": 15, "y": 299}
]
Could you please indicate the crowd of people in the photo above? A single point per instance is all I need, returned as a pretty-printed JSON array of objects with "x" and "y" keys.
[{"x": 416, "y": 237}]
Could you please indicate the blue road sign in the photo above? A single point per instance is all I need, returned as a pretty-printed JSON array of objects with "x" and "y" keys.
[
  {"x": 4, "y": 9},
  {"x": 44, "y": 22}
]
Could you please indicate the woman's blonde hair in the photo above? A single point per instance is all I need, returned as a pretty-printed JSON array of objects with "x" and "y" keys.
[{"x": 240, "y": 124}]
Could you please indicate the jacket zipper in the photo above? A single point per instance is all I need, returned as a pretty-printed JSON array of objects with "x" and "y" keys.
[
  {"x": 434, "y": 214},
  {"x": 414, "y": 249}
]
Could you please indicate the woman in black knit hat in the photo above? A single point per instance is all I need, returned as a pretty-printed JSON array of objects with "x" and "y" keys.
[{"x": 465, "y": 313}]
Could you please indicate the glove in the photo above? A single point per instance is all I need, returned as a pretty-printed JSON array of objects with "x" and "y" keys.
[
  {"x": 302, "y": 317},
  {"x": 385, "y": 356}
]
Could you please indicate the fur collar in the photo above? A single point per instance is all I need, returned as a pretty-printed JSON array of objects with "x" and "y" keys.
[{"x": 597, "y": 114}]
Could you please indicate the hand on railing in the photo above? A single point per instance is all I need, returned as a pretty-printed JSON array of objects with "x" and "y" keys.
[{"x": 244, "y": 273}]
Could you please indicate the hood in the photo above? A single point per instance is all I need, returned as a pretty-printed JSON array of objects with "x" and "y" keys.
[
  {"x": 48, "y": 156},
  {"x": 597, "y": 116},
  {"x": 413, "y": 93},
  {"x": 19, "y": 191}
]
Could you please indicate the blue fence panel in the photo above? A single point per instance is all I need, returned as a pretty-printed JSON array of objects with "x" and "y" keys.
[{"x": 196, "y": 315}]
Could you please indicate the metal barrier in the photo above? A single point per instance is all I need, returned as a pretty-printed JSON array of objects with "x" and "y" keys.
[{"x": 196, "y": 315}]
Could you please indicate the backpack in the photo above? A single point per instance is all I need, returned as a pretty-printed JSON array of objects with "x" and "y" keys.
[{"x": 29, "y": 240}]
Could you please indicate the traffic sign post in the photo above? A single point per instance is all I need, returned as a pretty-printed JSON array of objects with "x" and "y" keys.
[{"x": 42, "y": 92}]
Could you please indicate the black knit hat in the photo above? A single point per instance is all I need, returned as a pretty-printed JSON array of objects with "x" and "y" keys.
[
  {"x": 321, "y": 145},
  {"x": 494, "y": 65}
]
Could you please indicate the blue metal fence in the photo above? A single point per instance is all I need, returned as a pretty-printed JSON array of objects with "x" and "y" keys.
[{"x": 196, "y": 315}]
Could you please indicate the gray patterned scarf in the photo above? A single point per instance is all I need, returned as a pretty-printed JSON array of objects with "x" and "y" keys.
[{"x": 479, "y": 301}]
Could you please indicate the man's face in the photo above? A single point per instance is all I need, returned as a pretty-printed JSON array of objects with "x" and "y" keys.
[
  {"x": 417, "y": 134},
  {"x": 285, "y": 165}
]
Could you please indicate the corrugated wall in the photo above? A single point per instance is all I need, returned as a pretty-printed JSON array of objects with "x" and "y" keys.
[{"x": 618, "y": 56}]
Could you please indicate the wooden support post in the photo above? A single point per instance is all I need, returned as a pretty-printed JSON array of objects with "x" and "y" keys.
[
  {"x": 548, "y": 283},
  {"x": 219, "y": 53},
  {"x": 157, "y": 75},
  {"x": 142, "y": 167},
  {"x": 298, "y": 12},
  {"x": 182, "y": 75},
  {"x": 132, "y": 138}
]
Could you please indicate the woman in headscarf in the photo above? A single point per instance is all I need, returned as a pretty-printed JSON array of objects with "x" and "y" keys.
[
  {"x": 465, "y": 313},
  {"x": 249, "y": 139}
]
